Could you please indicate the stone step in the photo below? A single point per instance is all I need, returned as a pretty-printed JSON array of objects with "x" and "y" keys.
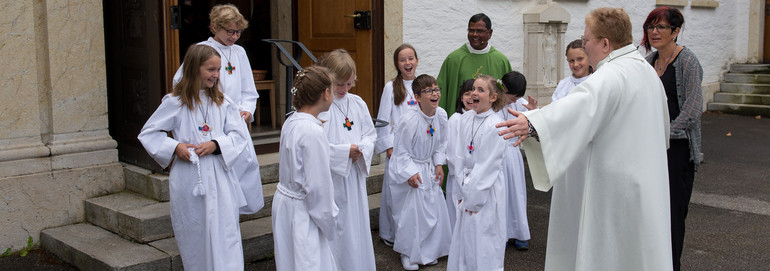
[
  {"x": 89, "y": 247},
  {"x": 750, "y": 68},
  {"x": 155, "y": 185},
  {"x": 737, "y": 98},
  {"x": 747, "y": 78},
  {"x": 740, "y": 109},
  {"x": 143, "y": 219},
  {"x": 745, "y": 88}
]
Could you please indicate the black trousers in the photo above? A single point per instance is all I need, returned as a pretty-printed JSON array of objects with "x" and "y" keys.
[{"x": 681, "y": 174}]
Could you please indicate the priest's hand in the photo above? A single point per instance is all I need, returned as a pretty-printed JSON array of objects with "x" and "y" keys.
[
  {"x": 181, "y": 151},
  {"x": 390, "y": 152},
  {"x": 414, "y": 179},
  {"x": 516, "y": 127},
  {"x": 205, "y": 148},
  {"x": 532, "y": 103},
  {"x": 246, "y": 116},
  {"x": 440, "y": 175},
  {"x": 355, "y": 153}
]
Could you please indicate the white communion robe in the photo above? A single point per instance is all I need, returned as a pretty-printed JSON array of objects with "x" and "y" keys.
[
  {"x": 452, "y": 183},
  {"x": 239, "y": 86},
  {"x": 566, "y": 85},
  {"x": 385, "y": 135},
  {"x": 352, "y": 249},
  {"x": 206, "y": 227},
  {"x": 618, "y": 121},
  {"x": 478, "y": 240},
  {"x": 304, "y": 213},
  {"x": 422, "y": 221},
  {"x": 516, "y": 186}
]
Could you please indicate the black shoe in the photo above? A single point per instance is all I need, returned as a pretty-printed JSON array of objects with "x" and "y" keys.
[{"x": 386, "y": 242}]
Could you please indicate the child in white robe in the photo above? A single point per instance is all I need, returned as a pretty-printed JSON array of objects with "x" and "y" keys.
[
  {"x": 513, "y": 165},
  {"x": 205, "y": 193},
  {"x": 478, "y": 240},
  {"x": 423, "y": 233},
  {"x": 237, "y": 82},
  {"x": 453, "y": 192},
  {"x": 578, "y": 64},
  {"x": 397, "y": 98},
  {"x": 304, "y": 213},
  {"x": 350, "y": 131}
]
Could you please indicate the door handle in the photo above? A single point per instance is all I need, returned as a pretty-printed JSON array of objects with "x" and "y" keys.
[
  {"x": 361, "y": 19},
  {"x": 353, "y": 15}
]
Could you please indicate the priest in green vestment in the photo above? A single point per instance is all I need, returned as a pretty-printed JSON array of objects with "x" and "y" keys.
[{"x": 469, "y": 61}]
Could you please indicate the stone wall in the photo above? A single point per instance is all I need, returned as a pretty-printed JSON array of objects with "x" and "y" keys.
[
  {"x": 55, "y": 148},
  {"x": 719, "y": 36}
]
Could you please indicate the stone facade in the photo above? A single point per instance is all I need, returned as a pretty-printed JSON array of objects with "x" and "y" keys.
[{"x": 55, "y": 148}]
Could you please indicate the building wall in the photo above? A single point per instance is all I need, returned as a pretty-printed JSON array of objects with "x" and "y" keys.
[
  {"x": 55, "y": 149},
  {"x": 718, "y": 36}
]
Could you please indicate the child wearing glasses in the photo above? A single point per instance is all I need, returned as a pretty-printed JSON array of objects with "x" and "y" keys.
[
  {"x": 478, "y": 239},
  {"x": 423, "y": 233},
  {"x": 350, "y": 131},
  {"x": 236, "y": 81}
]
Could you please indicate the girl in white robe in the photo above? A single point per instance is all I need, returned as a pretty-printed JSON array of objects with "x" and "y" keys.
[
  {"x": 578, "y": 64},
  {"x": 513, "y": 165},
  {"x": 237, "y": 82},
  {"x": 453, "y": 192},
  {"x": 205, "y": 194},
  {"x": 478, "y": 240},
  {"x": 423, "y": 233},
  {"x": 397, "y": 98},
  {"x": 304, "y": 213},
  {"x": 350, "y": 131}
]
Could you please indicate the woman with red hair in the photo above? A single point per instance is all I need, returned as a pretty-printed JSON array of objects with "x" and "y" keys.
[{"x": 681, "y": 75}]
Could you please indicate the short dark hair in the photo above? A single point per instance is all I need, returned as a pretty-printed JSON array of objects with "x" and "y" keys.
[
  {"x": 515, "y": 83},
  {"x": 481, "y": 17},
  {"x": 467, "y": 86},
  {"x": 421, "y": 82}
]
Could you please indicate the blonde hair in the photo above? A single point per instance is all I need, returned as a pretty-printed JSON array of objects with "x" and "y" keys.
[
  {"x": 189, "y": 86},
  {"x": 496, "y": 87},
  {"x": 221, "y": 15},
  {"x": 340, "y": 63},
  {"x": 611, "y": 23},
  {"x": 310, "y": 84}
]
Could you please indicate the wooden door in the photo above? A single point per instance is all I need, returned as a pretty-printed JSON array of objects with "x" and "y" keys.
[
  {"x": 322, "y": 25},
  {"x": 136, "y": 32},
  {"x": 766, "y": 41}
]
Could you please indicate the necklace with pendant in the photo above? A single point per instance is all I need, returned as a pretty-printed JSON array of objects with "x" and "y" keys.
[
  {"x": 347, "y": 124},
  {"x": 473, "y": 134},
  {"x": 411, "y": 101},
  {"x": 662, "y": 69},
  {"x": 430, "y": 130},
  {"x": 205, "y": 128},
  {"x": 230, "y": 68}
]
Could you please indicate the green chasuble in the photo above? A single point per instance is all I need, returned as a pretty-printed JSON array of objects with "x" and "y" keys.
[{"x": 461, "y": 65}]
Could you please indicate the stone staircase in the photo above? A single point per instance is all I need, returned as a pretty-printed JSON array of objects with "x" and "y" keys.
[
  {"x": 131, "y": 230},
  {"x": 745, "y": 91}
]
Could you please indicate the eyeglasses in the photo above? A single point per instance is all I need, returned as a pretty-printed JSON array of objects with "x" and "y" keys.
[
  {"x": 431, "y": 91},
  {"x": 233, "y": 32},
  {"x": 477, "y": 31},
  {"x": 586, "y": 39},
  {"x": 659, "y": 27}
]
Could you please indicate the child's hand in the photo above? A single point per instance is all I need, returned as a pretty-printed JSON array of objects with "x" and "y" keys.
[
  {"x": 470, "y": 213},
  {"x": 390, "y": 152},
  {"x": 355, "y": 153},
  {"x": 205, "y": 148},
  {"x": 532, "y": 103},
  {"x": 181, "y": 151},
  {"x": 246, "y": 116},
  {"x": 440, "y": 175},
  {"x": 414, "y": 179}
]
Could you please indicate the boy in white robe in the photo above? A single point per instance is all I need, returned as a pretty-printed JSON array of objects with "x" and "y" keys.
[
  {"x": 205, "y": 193},
  {"x": 478, "y": 240},
  {"x": 350, "y": 131},
  {"x": 304, "y": 213},
  {"x": 423, "y": 232}
]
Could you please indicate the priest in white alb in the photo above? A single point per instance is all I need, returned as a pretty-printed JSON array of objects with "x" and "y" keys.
[{"x": 618, "y": 121}]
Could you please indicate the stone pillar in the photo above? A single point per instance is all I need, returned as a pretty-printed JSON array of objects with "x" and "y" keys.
[
  {"x": 55, "y": 148},
  {"x": 544, "y": 45}
]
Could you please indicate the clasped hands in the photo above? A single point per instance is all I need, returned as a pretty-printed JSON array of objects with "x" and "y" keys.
[{"x": 201, "y": 150}]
